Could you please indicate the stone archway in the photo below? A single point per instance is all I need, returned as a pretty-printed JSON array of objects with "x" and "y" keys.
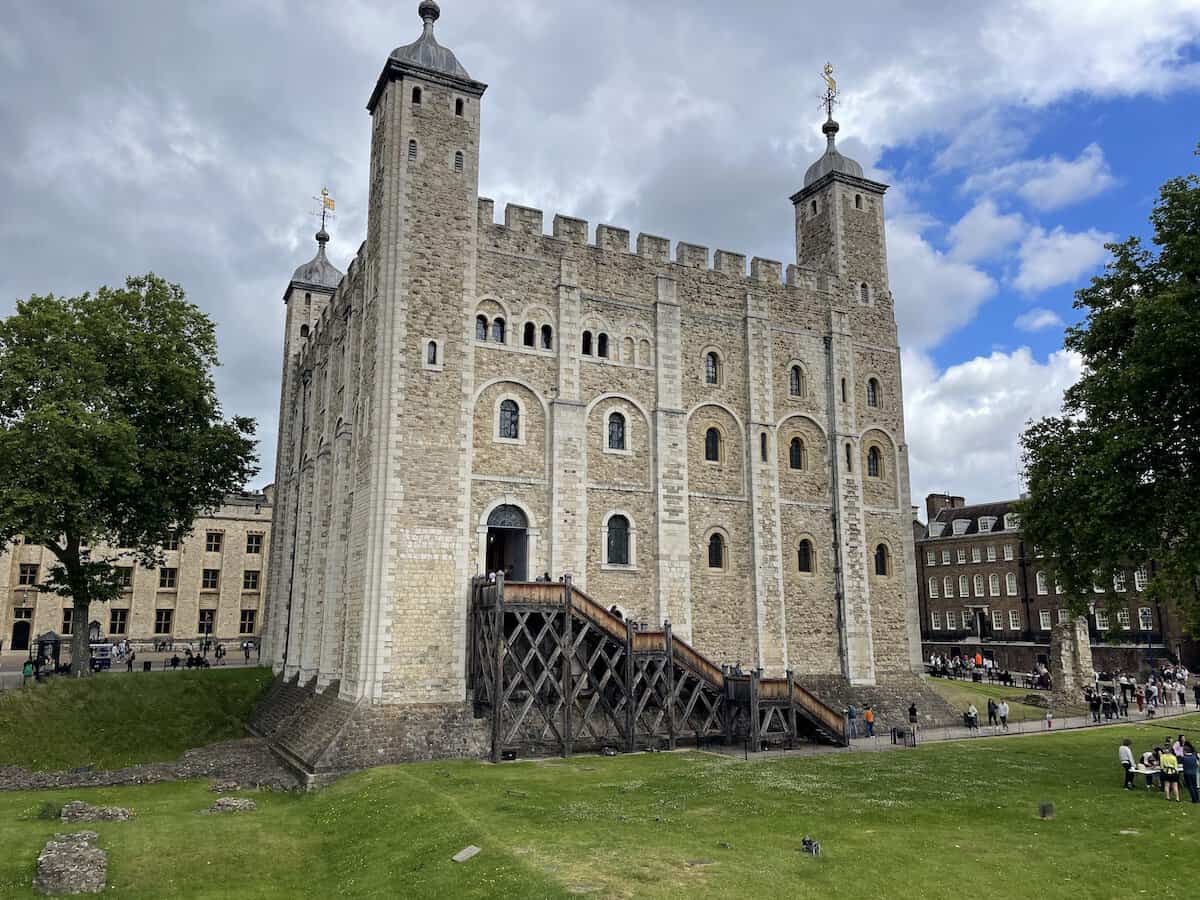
[{"x": 508, "y": 542}]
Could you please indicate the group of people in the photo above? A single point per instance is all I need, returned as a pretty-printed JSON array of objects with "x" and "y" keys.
[
  {"x": 997, "y": 715},
  {"x": 1103, "y": 702},
  {"x": 979, "y": 667},
  {"x": 1168, "y": 763}
]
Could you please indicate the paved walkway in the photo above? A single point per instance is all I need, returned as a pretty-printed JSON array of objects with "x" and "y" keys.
[
  {"x": 10, "y": 665},
  {"x": 928, "y": 735}
]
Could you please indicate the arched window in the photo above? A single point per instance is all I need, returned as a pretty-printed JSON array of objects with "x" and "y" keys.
[
  {"x": 547, "y": 337},
  {"x": 303, "y": 331},
  {"x": 458, "y": 107},
  {"x": 964, "y": 587},
  {"x": 458, "y": 162},
  {"x": 628, "y": 351},
  {"x": 978, "y": 585},
  {"x": 849, "y": 460},
  {"x": 412, "y": 151},
  {"x": 510, "y": 420},
  {"x": 481, "y": 328},
  {"x": 530, "y": 337},
  {"x": 804, "y": 556},
  {"x": 796, "y": 454},
  {"x": 762, "y": 446},
  {"x": 602, "y": 346},
  {"x": 308, "y": 299},
  {"x": 1043, "y": 583},
  {"x": 616, "y": 431},
  {"x": 933, "y": 588},
  {"x": 994, "y": 585},
  {"x": 587, "y": 343},
  {"x": 498, "y": 330},
  {"x": 796, "y": 386},
  {"x": 431, "y": 353},
  {"x": 645, "y": 357},
  {"x": 712, "y": 368},
  {"x": 716, "y": 551},
  {"x": 864, "y": 294},
  {"x": 874, "y": 463},
  {"x": 712, "y": 445},
  {"x": 618, "y": 541},
  {"x": 872, "y": 392},
  {"x": 883, "y": 562},
  {"x": 948, "y": 586},
  {"x": 1010, "y": 584}
]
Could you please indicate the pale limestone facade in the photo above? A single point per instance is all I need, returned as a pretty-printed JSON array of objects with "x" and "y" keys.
[
  {"x": 397, "y": 460},
  {"x": 156, "y": 607}
]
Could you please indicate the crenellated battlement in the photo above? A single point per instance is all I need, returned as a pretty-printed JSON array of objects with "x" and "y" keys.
[{"x": 524, "y": 222}]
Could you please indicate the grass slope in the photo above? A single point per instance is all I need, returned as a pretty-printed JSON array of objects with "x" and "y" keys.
[
  {"x": 117, "y": 720},
  {"x": 931, "y": 823},
  {"x": 961, "y": 694}
]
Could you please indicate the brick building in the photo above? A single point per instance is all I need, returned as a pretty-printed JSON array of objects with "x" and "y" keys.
[
  {"x": 701, "y": 443},
  {"x": 982, "y": 587},
  {"x": 211, "y": 584}
]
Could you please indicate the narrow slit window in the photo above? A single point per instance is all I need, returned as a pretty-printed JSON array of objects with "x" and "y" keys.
[
  {"x": 716, "y": 552},
  {"x": 458, "y": 107},
  {"x": 796, "y": 382},
  {"x": 872, "y": 392},
  {"x": 843, "y": 390},
  {"x": 796, "y": 454},
  {"x": 849, "y": 463},
  {"x": 874, "y": 463},
  {"x": 431, "y": 354},
  {"x": 712, "y": 445},
  {"x": 804, "y": 556},
  {"x": 762, "y": 443},
  {"x": 416, "y": 96},
  {"x": 412, "y": 151},
  {"x": 458, "y": 162}
]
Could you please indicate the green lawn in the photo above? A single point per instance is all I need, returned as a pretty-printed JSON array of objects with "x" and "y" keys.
[
  {"x": 935, "y": 822},
  {"x": 115, "y": 720},
  {"x": 960, "y": 694}
]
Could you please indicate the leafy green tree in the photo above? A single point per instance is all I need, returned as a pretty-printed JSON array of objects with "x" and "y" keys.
[
  {"x": 1114, "y": 482},
  {"x": 111, "y": 433}
]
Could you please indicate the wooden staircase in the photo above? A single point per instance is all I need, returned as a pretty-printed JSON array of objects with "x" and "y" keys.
[{"x": 558, "y": 672}]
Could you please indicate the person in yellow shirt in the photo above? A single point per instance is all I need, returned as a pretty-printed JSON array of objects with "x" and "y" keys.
[{"x": 1169, "y": 763}]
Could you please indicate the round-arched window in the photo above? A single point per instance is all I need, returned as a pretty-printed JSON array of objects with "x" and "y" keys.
[
  {"x": 716, "y": 551},
  {"x": 872, "y": 392},
  {"x": 431, "y": 353},
  {"x": 618, "y": 541},
  {"x": 507, "y": 516},
  {"x": 481, "y": 328},
  {"x": 547, "y": 337},
  {"x": 883, "y": 562},
  {"x": 804, "y": 556},
  {"x": 712, "y": 445},
  {"x": 510, "y": 420},
  {"x": 796, "y": 454},
  {"x": 616, "y": 431},
  {"x": 874, "y": 463},
  {"x": 796, "y": 382},
  {"x": 530, "y": 336},
  {"x": 712, "y": 368},
  {"x": 498, "y": 330}
]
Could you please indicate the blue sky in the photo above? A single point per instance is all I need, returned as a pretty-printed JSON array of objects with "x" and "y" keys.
[{"x": 1017, "y": 135}]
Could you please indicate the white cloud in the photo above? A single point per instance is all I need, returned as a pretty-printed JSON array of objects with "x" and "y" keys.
[
  {"x": 963, "y": 424},
  {"x": 1051, "y": 258},
  {"x": 1038, "y": 320},
  {"x": 935, "y": 294},
  {"x": 984, "y": 232},
  {"x": 1051, "y": 182}
]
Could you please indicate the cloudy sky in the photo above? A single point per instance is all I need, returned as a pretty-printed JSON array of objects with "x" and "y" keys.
[{"x": 188, "y": 138}]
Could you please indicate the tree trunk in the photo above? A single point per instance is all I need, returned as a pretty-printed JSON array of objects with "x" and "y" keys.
[{"x": 81, "y": 651}]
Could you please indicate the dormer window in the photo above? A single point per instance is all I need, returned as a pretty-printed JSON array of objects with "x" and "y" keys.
[
  {"x": 986, "y": 523},
  {"x": 936, "y": 529},
  {"x": 1011, "y": 521},
  {"x": 961, "y": 525}
]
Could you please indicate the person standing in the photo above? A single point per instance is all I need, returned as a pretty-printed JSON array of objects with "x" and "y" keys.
[
  {"x": 1125, "y": 755},
  {"x": 1196, "y": 691},
  {"x": 1002, "y": 711},
  {"x": 1188, "y": 763},
  {"x": 912, "y": 717},
  {"x": 992, "y": 710},
  {"x": 972, "y": 717},
  {"x": 1140, "y": 696},
  {"x": 129, "y": 658},
  {"x": 1049, "y": 720},
  {"x": 1169, "y": 763},
  {"x": 852, "y": 719},
  {"x": 869, "y": 718},
  {"x": 246, "y": 651}
]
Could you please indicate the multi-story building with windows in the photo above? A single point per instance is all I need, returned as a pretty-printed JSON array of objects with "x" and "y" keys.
[
  {"x": 697, "y": 437},
  {"x": 211, "y": 584},
  {"x": 982, "y": 587}
]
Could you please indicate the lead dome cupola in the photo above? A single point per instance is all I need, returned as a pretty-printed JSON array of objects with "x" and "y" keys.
[
  {"x": 425, "y": 52},
  {"x": 319, "y": 271},
  {"x": 832, "y": 160}
]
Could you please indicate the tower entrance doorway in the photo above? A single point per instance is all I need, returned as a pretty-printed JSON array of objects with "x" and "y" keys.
[
  {"x": 20, "y": 636},
  {"x": 508, "y": 543}
]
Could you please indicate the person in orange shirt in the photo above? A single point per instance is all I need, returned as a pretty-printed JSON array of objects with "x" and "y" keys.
[
  {"x": 979, "y": 660},
  {"x": 869, "y": 718}
]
